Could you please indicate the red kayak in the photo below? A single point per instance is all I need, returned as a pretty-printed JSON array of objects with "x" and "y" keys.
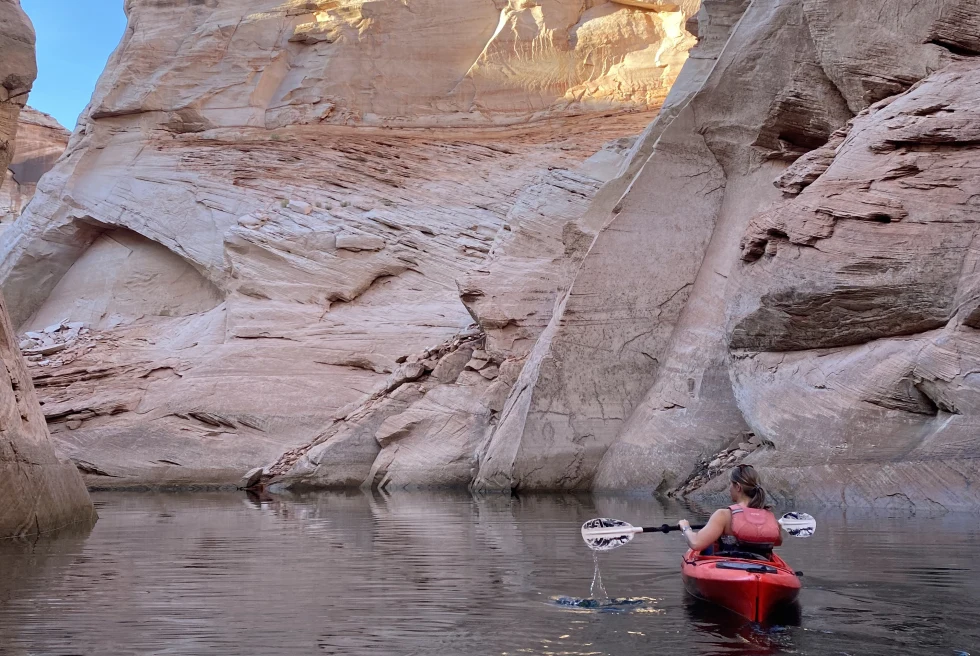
[{"x": 751, "y": 587}]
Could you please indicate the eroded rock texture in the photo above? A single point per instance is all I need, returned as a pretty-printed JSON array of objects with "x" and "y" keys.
[
  {"x": 276, "y": 218},
  {"x": 603, "y": 348},
  {"x": 40, "y": 493},
  {"x": 853, "y": 325},
  {"x": 827, "y": 316},
  {"x": 40, "y": 141}
]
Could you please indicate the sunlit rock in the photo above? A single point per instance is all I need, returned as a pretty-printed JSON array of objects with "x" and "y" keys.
[{"x": 268, "y": 207}]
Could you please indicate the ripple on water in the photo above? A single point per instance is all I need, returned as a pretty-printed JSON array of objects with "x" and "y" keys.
[
  {"x": 613, "y": 604},
  {"x": 443, "y": 574}
]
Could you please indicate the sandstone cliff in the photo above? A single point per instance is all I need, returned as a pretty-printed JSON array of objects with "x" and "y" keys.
[
  {"x": 40, "y": 141},
  {"x": 825, "y": 318},
  {"x": 260, "y": 227},
  {"x": 40, "y": 493},
  {"x": 272, "y": 234},
  {"x": 853, "y": 318}
]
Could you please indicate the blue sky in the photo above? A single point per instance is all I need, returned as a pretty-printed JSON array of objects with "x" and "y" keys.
[{"x": 74, "y": 40}]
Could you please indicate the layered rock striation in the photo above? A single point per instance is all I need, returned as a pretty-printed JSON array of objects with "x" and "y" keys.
[
  {"x": 40, "y": 493},
  {"x": 853, "y": 319},
  {"x": 40, "y": 141},
  {"x": 265, "y": 219}
]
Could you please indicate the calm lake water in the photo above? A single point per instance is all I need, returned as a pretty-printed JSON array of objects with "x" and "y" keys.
[{"x": 448, "y": 574}]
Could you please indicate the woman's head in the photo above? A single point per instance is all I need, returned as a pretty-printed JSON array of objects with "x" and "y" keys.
[{"x": 745, "y": 485}]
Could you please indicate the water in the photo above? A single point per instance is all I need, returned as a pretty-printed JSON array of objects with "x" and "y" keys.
[
  {"x": 597, "y": 591},
  {"x": 445, "y": 574}
]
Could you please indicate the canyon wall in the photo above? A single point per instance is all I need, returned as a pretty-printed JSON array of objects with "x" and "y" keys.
[
  {"x": 275, "y": 217},
  {"x": 853, "y": 319},
  {"x": 273, "y": 245},
  {"x": 40, "y": 493},
  {"x": 40, "y": 141},
  {"x": 799, "y": 250}
]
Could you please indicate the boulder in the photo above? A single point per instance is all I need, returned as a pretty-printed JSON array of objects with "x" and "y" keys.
[
  {"x": 252, "y": 478},
  {"x": 451, "y": 365},
  {"x": 299, "y": 206}
]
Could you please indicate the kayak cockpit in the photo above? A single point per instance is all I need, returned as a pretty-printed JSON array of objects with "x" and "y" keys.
[{"x": 741, "y": 565}]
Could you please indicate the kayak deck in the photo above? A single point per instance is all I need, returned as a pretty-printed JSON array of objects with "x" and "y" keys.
[{"x": 750, "y": 587}]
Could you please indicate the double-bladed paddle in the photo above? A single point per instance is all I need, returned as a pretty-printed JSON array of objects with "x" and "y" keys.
[{"x": 607, "y": 534}]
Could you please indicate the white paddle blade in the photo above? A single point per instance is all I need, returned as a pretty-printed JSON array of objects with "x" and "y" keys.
[
  {"x": 607, "y": 534},
  {"x": 798, "y": 525}
]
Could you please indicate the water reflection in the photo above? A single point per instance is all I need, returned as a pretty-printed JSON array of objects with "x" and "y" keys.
[
  {"x": 32, "y": 567},
  {"x": 734, "y": 636},
  {"x": 442, "y": 573}
]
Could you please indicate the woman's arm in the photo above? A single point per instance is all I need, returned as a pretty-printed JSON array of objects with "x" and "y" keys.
[{"x": 711, "y": 532}]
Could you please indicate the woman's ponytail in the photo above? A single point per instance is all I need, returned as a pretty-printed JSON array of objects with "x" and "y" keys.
[{"x": 748, "y": 479}]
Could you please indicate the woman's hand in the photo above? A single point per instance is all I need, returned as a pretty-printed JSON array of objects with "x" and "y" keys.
[{"x": 689, "y": 535}]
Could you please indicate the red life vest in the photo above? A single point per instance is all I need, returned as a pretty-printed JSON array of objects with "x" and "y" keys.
[{"x": 754, "y": 526}]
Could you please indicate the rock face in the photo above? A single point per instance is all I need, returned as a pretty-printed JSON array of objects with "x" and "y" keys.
[
  {"x": 829, "y": 314},
  {"x": 40, "y": 493},
  {"x": 270, "y": 235},
  {"x": 19, "y": 72},
  {"x": 263, "y": 222},
  {"x": 40, "y": 141},
  {"x": 604, "y": 346},
  {"x": 864, "y": 285}
]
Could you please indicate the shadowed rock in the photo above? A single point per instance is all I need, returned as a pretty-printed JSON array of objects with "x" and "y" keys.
[
  {"x": 40, "y": 493},
  {"x": 41, "y": 140}
]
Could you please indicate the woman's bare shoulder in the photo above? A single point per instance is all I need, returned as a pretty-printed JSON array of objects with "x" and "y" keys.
[{"x": 721, "y": 513}]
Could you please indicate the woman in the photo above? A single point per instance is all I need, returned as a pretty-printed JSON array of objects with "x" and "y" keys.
[{"x": 747, "y": 525}]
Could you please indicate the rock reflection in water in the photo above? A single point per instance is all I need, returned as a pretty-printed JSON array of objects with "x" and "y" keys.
[
  {"x": 33, "y": 568},
  {"x": 440, "y": 573}
]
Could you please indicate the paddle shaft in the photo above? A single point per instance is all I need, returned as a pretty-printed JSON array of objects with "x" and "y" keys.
[
  {"x": 603, "y": 534},
  {"x": 610, "y": 532},
  {"x": 667, "y": 528}
]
